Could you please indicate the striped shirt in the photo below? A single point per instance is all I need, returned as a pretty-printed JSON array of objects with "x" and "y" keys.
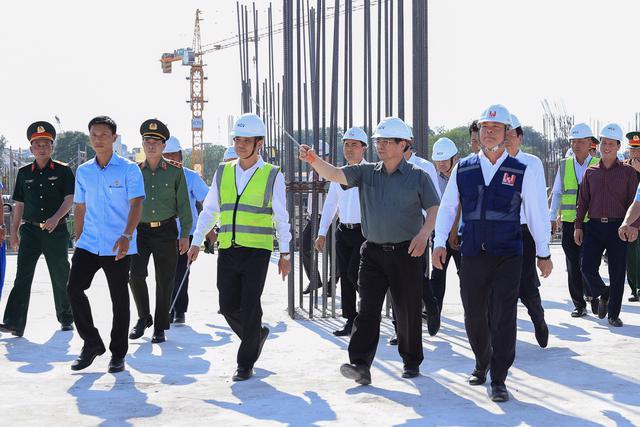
[{"x": 606, "y": 193}]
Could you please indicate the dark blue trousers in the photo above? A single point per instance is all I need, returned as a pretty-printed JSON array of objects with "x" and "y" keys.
[{"x": 599, "y": 237}]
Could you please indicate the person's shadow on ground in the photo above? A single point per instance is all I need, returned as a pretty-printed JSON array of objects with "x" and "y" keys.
[
  {"x": 116, "y": 405},
  {"x": 289, "y": 409},
  {"x": 38, "y": 358}
]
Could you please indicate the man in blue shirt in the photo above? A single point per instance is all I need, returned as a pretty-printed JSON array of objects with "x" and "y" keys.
[
  {"x": 197, "y": 189},
  {"x": 108, "y": 205}
]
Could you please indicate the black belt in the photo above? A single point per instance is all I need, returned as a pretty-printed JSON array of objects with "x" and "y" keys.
[
  {"x": 606, "y": 220},
  {"x": 349, "y": 226},
  {"x": 156, "y": 224},
  {"x": 390, "y": 247},
  {"x": 41, "y": 224}
]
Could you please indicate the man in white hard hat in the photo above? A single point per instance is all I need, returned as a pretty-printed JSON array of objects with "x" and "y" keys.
[
  {"x": 607, "y": 191},
  {"x": 349, "y": 238},
  {"x": 564, "y": 197},
  {"x": 393, "y": 194},
  {"x": 491, "y": 187},
  {"x": 248, "y": 196},
  {"x": 308, "y": 231},
  {"x": 529, "y": 283},
  {"x": 197, "y": 190},
  {"x": 445, "y": 157},
  {"x": 229, "y": 154}
]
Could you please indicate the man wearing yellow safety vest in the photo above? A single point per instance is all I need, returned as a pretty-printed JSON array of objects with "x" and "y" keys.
[
  {"x": 247, "y": 195},
  {"x": 564, "y": 197}
]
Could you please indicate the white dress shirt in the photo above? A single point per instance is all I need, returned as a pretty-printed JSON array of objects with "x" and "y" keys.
[
  {"x": 534, "y": 208},
  {"x": 535, "y": 164},
  {"x": 429, "y": 168},
  {"x": 211, "y": 206},
  {"x": 556, "y": 192},
  {"x": 321, "y": 196},
  {"x": 345, "y": 202}
]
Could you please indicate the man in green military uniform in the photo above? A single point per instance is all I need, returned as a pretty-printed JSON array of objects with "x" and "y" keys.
[
  {"x": 633, "y": 248},
  {"x": 44, "y": 195},
  {"x": 167, "y": 197}
]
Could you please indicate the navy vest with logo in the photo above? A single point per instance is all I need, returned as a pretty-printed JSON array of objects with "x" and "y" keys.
[{"x": 491, "y": 214}]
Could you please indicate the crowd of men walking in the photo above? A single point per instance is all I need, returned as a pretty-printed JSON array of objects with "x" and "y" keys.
[{"x": 488, "y": 211}]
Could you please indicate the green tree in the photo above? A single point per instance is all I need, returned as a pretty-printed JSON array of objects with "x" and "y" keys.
[
  {"x": 213, "y": 155},
  {"x": 459, "y": 135},
  {"x": 67, "y": 146}
]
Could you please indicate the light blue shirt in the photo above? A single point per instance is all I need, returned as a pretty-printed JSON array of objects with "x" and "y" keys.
[
  {"x": 197, "y": 189},
  {"x": 106, "y": 194}
]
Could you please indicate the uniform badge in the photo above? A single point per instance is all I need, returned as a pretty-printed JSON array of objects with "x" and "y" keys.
[
  {"x": 153, "y": 126},
  {"x": 40, "y": 129},
  {"x": 636, "y": 138},
  {"x": 508, "y": 179}
]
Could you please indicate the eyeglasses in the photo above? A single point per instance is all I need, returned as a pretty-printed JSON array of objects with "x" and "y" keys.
[{"x": 385, "y": 141}]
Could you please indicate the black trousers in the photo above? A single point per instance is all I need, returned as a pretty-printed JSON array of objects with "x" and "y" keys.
[
  {"x": 489, "y": 290},
  {"x": 161, "y": 242},
  {"x": 438, "y": 281},
  {"x": 308, "y": 239},
  {"x": 573, "y": 255},
  {"x": 84, "y": 266},
  {"x": 241, "y": 276},
  {"x": 402, "y": 274},
  {"x": 348, "y": 244},
  {"x": 529, "y": 282},
  {"x": 599, "y": 237},
  {"x": 182, "y": 303}
]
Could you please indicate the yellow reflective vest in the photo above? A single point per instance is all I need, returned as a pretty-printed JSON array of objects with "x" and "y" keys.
[{"x": 569, "y": 180}]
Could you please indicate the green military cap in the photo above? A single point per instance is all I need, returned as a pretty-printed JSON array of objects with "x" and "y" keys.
[
  {"x": 41, "y": 130},
  {"x": 154, "y": 129},
  {"x": 634, "y": 139}
]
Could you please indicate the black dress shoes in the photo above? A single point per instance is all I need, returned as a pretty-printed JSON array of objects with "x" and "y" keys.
[
  {"x": 633, "y": 298},
  {"x": 410, "y": 372},
  {"x": 602, "y": 307},
  {"x": 615, "y": 322},
  {"x": 478, "y": 377},
  {"x": 433, "y": 322},
  {"x": 594, "y": 305},
  {"x": 499, "y": 393},
  {"x": 393, "y": 340},
  {"x": 158, "y": 337},
  {"x": 66, "y": 326},
  {"x": 140, "y": 326},
  {"x": 580, "y": 312},
  {"x": 10, "y": 330},
  {"x": 242, "y": 374},
  {"x": 346, "y": 331},
  {"x": 179, "y": 318},
  {"x": 116, "y": 365},
  {"x": 359, "y": 373},
  {"x": 542, "y": 333},
  {"x": 87, "y": 355}
]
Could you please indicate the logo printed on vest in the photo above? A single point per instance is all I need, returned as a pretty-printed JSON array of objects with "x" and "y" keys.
[{"x": 509, "y": 179}]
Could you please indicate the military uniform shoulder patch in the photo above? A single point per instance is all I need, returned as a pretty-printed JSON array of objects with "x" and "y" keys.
[{"x": 174, "y": 163}]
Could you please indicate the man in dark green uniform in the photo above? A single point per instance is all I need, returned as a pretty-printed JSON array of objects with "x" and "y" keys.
[
  {"x": 44, "y": 195},
  {"x": 167, "y": 197},
  {"x": 633, "y": 248}
]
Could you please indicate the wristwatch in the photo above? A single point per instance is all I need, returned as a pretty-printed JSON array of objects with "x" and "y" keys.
[
  {"x": 129, "y": 237},
  {"x": 543, "y": 257},
  {"x": 285, "y": 257}
]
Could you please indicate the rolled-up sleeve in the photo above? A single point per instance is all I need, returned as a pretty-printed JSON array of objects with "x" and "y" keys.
[{"x": 353, "y": 174}]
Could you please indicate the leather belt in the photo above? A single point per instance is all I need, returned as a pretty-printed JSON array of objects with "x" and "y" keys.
[
  {"x": 156, "y": 224},
  {"x": 41, "y": 224},
  {"x": 390, "y": 247},
  {"x": 349, "y": 226},
  {"x": 606, "y": 220}
]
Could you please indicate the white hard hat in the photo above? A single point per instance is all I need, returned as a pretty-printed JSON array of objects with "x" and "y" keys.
[
  {"x": 249, "y": 125},
  {"x": 444, "y": 149},
  {"x": 230, "y": 153},
  {"x": 172, "y": 145},
  {"x": 356, "y": 134},
  {"x": 393, "y": 127},
  {"x": 579, "y": 131},
  {"x": 497, "y": 113},
  {"x": 515, "y": 123},
  {"x": 612, "y": 131}
]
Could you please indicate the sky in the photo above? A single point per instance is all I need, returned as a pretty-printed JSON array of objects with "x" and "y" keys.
[{"x": 77, "y": 59}]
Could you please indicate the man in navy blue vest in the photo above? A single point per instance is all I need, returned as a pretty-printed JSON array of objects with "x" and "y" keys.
[{"x": 491, "y": 187}]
